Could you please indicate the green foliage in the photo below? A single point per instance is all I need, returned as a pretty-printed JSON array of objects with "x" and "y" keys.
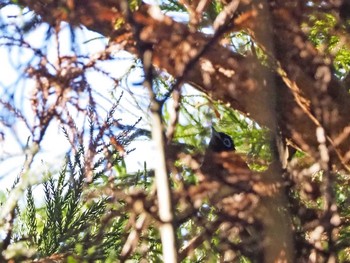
[
  {"x": 321, "y": 27},
  {"x": 31, "y": 217},
  {"x": 134, "y": 4},
  {"x": 197, "y": 114},
  {"x": 77, "y": 221},
  {"x": 325, "y": 34},
  {"x": 172, "y": 5},
  {"x": 71, "y": 219},
  {"x": 342, "y": 62}
]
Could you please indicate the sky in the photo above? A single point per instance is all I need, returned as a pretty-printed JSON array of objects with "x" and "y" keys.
[{"x": 55, "y": 145}]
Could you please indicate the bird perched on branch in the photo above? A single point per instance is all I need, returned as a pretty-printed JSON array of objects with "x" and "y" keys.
[
  {"x": 226, "y": 183},
  {"x": 221, "y": 161},
  {"x": 220, "y": 142}
]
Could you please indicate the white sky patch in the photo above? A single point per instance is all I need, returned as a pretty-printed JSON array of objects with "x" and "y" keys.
[{"x": 55, "y": 145}]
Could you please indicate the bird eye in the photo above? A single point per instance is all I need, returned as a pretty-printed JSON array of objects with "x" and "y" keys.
[{"x": 227, "y": 142}]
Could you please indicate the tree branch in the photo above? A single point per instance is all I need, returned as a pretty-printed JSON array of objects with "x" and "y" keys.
[
  {"x": 235, "y": 79},
  {"x": 165, "y": 206}
]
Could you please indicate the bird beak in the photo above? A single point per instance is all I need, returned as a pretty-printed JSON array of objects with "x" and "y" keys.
[{"x": 214, "y": 132}]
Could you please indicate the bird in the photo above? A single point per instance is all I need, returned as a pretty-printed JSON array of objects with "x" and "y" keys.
[
  {"x": 220, "y": 142},
  {"x": 221, "y": 160},
  {"x": 226, "y": 184}
]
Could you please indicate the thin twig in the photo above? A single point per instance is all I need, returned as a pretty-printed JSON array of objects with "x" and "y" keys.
[
  {"x": 221, "y": 25},
  {"x": 322, "y": 108},
  {"x": 133, "y": 237},
  {"x": 166, "y": 215}
]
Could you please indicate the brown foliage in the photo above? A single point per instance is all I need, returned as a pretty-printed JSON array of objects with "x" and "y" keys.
[{"x": 295, "y": 82}]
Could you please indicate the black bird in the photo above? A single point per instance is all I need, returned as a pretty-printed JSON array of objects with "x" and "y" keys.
[{"x": 220, "y": 142}]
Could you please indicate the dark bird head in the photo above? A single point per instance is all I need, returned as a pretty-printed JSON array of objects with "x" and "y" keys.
[{"x": 220, "y": 142}]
